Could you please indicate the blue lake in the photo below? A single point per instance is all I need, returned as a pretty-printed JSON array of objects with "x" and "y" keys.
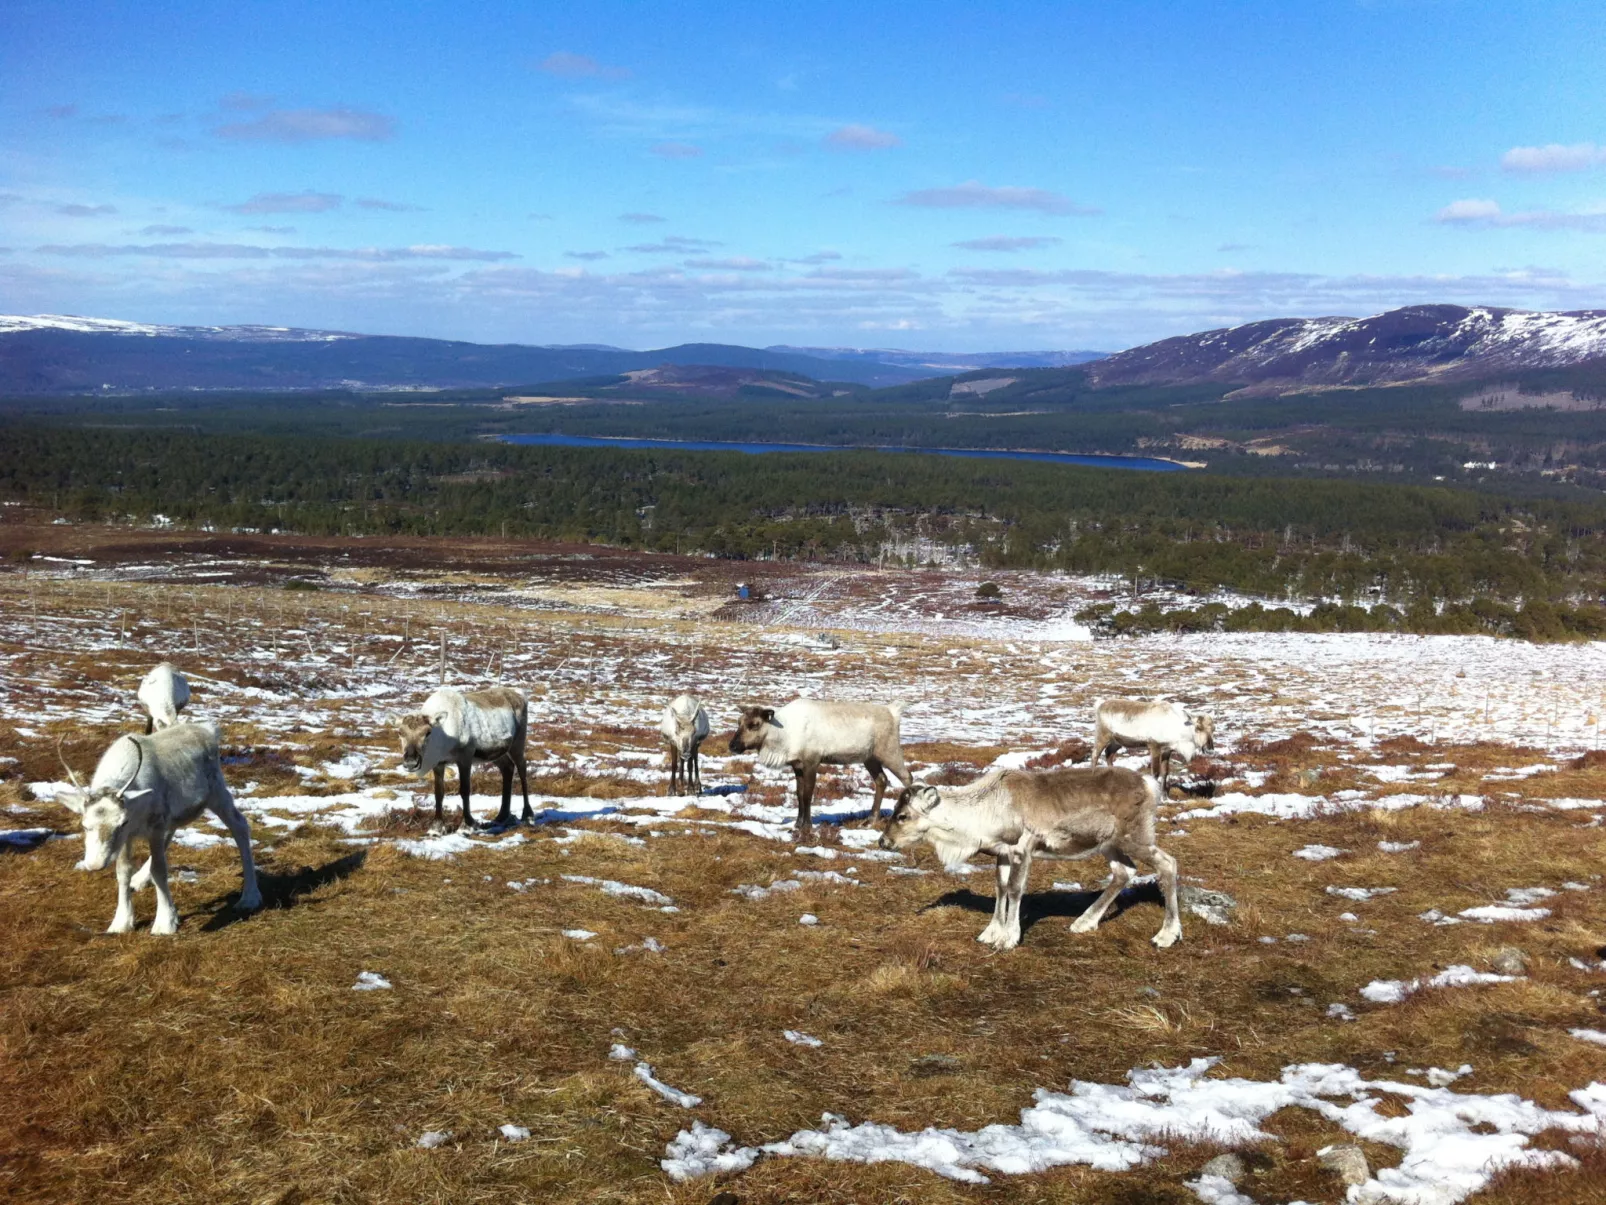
[{"x": 1144, "y": 463}]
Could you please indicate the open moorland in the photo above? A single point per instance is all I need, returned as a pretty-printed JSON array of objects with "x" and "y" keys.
[{"x": 1392, "y": 938}]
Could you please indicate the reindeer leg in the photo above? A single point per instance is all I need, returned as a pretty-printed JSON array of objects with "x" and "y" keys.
[
  {"x": 1165, "y": 868},
  {"x": 1000, "y": 903},
  {"x": 166, "y": 922},
  {"x": 806, "y": 776},
  {"x": 123, "y": 920},
  {"x": 222, "y": 805},
  {"x": 878, "y": 776},
  {"x": 465, "y": 782},
  {"x": 505, "y": 815},
  {"x": 696, "y": 768},
  {"x": 440, "y": 789},
  {"x": 524, "y": 787},
  {"x": 1020, "y": 868},
  {"x": 142, "y": 877},
  {"x": 1120, "y": 876}
]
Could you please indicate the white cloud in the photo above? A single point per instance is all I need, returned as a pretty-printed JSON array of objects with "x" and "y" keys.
[
  {"x": 735, "y": 263},
  {"x": 288, "y": 202},
  {"x": 974, "y": 194},
  {"x": 641, "y": 219},
  {"x": 1554, "y": 158},
  {"x": 310, "y": 125},
  {"x": 388, "y": 206},
  {"x": 673, "y": 244},
  {"x": 579, "y": 66},
  {"x": 854, "y": 137},
  {"x": 1004, "y": 242},
  {"x": 85, "y": 211},
  {"x": 418, "y": 251},
  {"x": 1485, "y": 213}
]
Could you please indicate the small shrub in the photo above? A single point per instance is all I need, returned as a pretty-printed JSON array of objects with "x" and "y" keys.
[{"x": 988, "y": 590}]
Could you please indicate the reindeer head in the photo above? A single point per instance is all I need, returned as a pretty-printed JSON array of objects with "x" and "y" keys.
[
  {"x": 422, "y": 743},
  {"x": 105, "y": 813},
  {"x": 911, "y": 816},
  {"x": 752, "y": 729},
  {"x": 1204, "y": 732}
]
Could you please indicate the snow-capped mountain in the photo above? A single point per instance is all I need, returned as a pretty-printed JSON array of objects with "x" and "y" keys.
[
  {"x": 1419, "y": 342},
  {"x": 13, "y": 323}
]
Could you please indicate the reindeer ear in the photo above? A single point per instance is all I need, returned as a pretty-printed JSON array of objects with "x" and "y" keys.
[
  {"x": 925, "y": 797},
  {"x": 135, "y": 796},
  {"x": 769, "y": 715},
  {"x": 73, "y": 801}
]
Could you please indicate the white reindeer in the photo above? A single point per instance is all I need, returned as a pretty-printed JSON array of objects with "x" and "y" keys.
[
  {"x": 809, "y": 733},
  {"x": 684, "y": 728},
  {"x": 1013, "y": 813},
  {"x": 1166, "y": 730},
  {"x": 147, "y": 788},
  {"x": 164, "y": 693},
  {"x": 464, "y": 727}
]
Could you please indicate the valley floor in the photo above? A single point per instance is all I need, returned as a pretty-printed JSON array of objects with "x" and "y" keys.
[{"x": 1409, "y": 830}]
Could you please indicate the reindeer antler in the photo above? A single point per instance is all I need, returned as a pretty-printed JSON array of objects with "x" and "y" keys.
[
  {"x": 70, "y": 774},
  {"x": 138, "y": 765}
]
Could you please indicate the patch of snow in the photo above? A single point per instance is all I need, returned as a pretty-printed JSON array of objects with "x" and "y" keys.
[
  {"x": 1360, "y": 893},
  {"x": 430, "y": 1139},
  {"x": 673, "y": 1095},
  {"x": 578, "y": 934},
  {"x": 1318, "y": 853},
  {"x": 798, "y": 1038},
  {"x": 371, "y": 981},
  {"x": 1393, "y": 991},
  {"x": 514, "y": 1133},
  {"x": 808, "y": 918},
  {"x": 703, "y": 1151},
  {"x": 622, "y": 890}
]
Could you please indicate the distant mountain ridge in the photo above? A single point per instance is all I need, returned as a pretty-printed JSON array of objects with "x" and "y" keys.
[
  {"x": 1419, "y": 342},
  {"x": 59, "y": 354},
  {"x": 949, "y": 362}
]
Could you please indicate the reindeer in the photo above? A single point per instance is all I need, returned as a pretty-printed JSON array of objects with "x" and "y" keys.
[
  {"x": 164, "y": 693},
  {"x": 1013, "y": 813},
  {"x": 684, "y": 727},
  {"x": 464, "y": 727},
  {"x": 147, "y": 788},
  {"x": 1166, "y": 730},
  {"x": 808, "y": 733}
]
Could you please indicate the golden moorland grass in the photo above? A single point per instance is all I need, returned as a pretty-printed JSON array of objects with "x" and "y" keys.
[{"x": 234, "y": 1063}]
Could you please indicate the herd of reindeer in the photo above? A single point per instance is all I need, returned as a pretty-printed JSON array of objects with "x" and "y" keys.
[{"x": 148, "y": 786}]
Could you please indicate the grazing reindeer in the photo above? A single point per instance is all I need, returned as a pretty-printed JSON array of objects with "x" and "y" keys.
[
  {"x": 684, "y": 728},
  {"x": 808, "y": 733},
  {"x": 164, "y": 692},
  {"x": 146, "y": 788},
  {"x": 464, "y": 727},
  {"x": 1013, "y": 813},
  {"x": 1166, "y": 730}
]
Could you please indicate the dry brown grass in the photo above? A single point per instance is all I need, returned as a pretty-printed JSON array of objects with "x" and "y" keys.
[{"x": 234, "y": 1063}]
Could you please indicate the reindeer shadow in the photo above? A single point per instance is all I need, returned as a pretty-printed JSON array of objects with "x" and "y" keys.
[
  {"x": 1049, "y": 905},
  {"x": 283, "y": 890}
]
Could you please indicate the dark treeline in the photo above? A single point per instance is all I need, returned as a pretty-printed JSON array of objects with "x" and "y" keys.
[{"x": 1424, "y": 552}]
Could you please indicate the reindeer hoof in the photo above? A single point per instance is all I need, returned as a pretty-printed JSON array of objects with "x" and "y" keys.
[
  {"x": 248, "y": 903},
  {"x": 1166, "y": 938},
  {"x": 1083, "y": 926}
]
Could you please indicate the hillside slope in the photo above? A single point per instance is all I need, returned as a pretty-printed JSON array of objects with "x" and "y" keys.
[{"x": 1421, "y": 342}]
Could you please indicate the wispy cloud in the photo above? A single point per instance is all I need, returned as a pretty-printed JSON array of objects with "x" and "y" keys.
[
  {"x": 579, "y": 66},
  {"x": 736, "y": 263},
  {"x": 820, "y": 257},
  {"x": 245, "y": 101},
  {"x": 641, "y": 219},
  {"x": 273, "y": 229},
  {"x": 677, "y": 150},
  {"x": 1481, "y": 212},
  {"x": 153, "y": 231},
  {"x": 586, "y": 255},
  {"x": 311, "y": 125},
  {"x": 85, "y": 211},
  {"x": 972, "y": 194},
  {"x": 288, "y": 202},
  {"x": 420, "y": 251},
  {"x": 1004, "y": 242},
  {"x": 855, "y": 137},
  {"x": 388, "y": 206},
  {"x": 1536, "y": 160},
  {"x": 674, "y": 245}
]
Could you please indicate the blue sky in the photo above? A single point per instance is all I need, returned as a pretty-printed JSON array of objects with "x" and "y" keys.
[{"x": 936, "y": 175}]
